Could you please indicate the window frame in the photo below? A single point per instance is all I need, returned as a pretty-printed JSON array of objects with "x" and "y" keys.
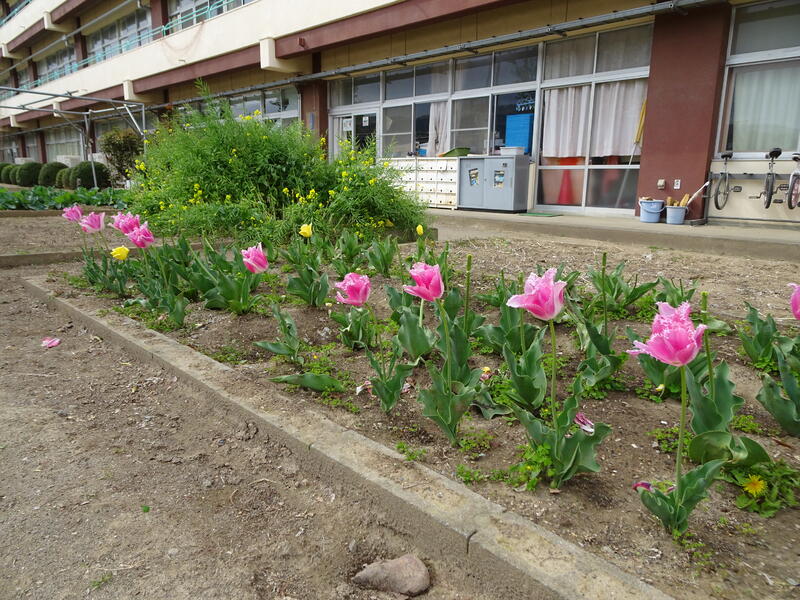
[{"x": 762, "y": 57}]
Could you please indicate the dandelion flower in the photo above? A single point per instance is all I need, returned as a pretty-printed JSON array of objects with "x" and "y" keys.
[{"x": 755, "y": 486}]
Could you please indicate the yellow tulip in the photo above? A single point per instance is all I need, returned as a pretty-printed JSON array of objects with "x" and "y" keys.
[
  {"x": 420, "y": 230},
  {"x": 306, "y": 230},
  {"x": 120, "y": 253}
]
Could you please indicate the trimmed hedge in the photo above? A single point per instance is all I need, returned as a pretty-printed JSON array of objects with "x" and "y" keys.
[
  {"x": 47, "y": 176},
  {"x": 59, "y": 182},
  {"x": 5, "y": 174},
  {"x": 28, "y": 174},
  {"x": 82, "y": 173},
  {"x": 15, "y": 175},
  {"x": 3, "y": 166}
]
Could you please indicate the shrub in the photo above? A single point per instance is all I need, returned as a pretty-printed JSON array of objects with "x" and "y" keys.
[
  {"x": 15, "y": 175},
  {"x": 28, "y": 174},
  {"x": 59, "y": 180},
  {"x": 5, "y": 174},
  {"x": 47, "y": 175},
  {"x": 3, "y": 166},
  {"x": 68, "y": 180},
  {"x": 82, "y": 175},
  {"x": 210, "y": 173},
  {"x": 121, "y": 147}
]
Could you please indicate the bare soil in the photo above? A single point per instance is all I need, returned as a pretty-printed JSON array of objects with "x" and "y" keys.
[
  {"x": 118, "y": 482},
  {"x": 29, "y": 235},
  {"x": 739, "y": 554}
]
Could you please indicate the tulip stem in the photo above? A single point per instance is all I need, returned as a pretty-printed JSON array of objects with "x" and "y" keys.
[
  {"x": 553, "y": 374},
  {"x": 421, "y": 313},
  {"x": 605, "y": 304},
  {"x": 707, "y": 347},
  {"x": 446, "y": 327},
  {"x": 467, "y": 286},
  {"x": 681, "y": 428}
]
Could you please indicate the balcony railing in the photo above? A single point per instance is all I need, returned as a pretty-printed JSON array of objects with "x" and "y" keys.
[
  {"x": 13, "y": 13},
  {"x": 213, "y": 9}
]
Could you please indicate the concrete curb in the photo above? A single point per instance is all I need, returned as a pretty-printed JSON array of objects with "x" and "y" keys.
[
  {"x": 444, "y": 518},
  {"x": 8, "y": 261}
]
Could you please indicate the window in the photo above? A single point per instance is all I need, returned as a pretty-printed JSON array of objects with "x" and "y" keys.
[
  {"x": 185, "y": 13},
  {"x": 615, "y": 50},
  {"x": 432, "y": 78},
  {"x": 762, "y": 97},
  {"x": 120, "y": 36},
  {"x": 246, "y": 105},
  {"x": 32, "y": 146},
  {"x": 8, "y": 148},
  {"x": 471, "y": 124},
  {"x": 62, "y": 141},
  {"x": 515, "y": 66},
  {"x": 57, "y": 65},
  {"x": 399, "y": 84},
  {"x": 24, "y": 77},
  {"x": 367, "y": 88},
  {"x": 282, "y": 105},
  {"x": 569, "y": 58},
  {"x": 397, "y": 130},
  {"x": 473, "y": 72},
  {"x": 766, "y": 27}
]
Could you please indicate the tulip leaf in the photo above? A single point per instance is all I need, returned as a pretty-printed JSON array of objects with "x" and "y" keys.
[
  {"x": 783, "y": 405},
  {"x": 319, "y": 382},
  {"x": 416, "y": 340}
]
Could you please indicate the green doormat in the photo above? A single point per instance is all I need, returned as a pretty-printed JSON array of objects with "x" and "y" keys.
[{"x": 535, "y": 214}]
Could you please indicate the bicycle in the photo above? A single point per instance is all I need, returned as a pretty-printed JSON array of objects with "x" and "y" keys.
[
  {"x": 769, "y": 178},
  {"x": 723, "y": 188},
  {"x": 793, "y": 193}
]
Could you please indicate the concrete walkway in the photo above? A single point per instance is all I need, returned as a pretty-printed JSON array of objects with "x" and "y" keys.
[{"x": 773, "y": 243}]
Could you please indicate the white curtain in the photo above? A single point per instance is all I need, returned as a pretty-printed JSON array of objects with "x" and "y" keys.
[
  {"x": 617, "y": 107},
  {"x": 569, "y": 57},
  {"x": 438, "y": 129},
  {"x": 566, "y": 113},
  {"x": 766, "y": 108}
]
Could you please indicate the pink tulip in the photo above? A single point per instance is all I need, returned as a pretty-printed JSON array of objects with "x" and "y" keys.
[
  {"x": 141, "y": 236},
  {"x": 795, "y": 301},
  {"x": 254, "y": 259},
  {"x": 643, "y": 485},
  {"x": 125, "y": 222},
  {"x": 93, "y": 222},
  {"x": 674, "y": 339},
  {"x": 356, "y": 287},
  {"x": 543, "y": 297},
  {"x": 73, "y": 213},
  {"x": 584, "y": 423},
  {"x": 50, "y": 342},
  {"x": 429, "y": 282}
]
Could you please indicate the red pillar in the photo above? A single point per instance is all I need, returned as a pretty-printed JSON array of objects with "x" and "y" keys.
[
  {"x": 314, "y": 106},
  {"x": 683, "y": 95},
  {"x": 158, "y": 15}
]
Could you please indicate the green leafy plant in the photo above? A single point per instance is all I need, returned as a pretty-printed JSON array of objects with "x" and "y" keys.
[
  {"x": 28, "y": 174},
  {"x": 596, "y": 373},
  {"x": 105, "y": 273},
  {"x": 470, "y": 476},
  {"x": 319, "y": 382},
  {"x": 535, "y": 463},
  {"x": 766, "y": 487},
  {"x": 357, "y": 330},
  {"x": 48, "y": 172},
  {"x": 527, "y": 376},
  {"x": 782, "y": 402},
  {"x": 416, "y": 339},
  {"x": 121, "y": 148},
  {"x": 381, "y": 255},
  {"x": 474, "y": 443},
  {"x": 309, "y": 285},
  {"x": 666, "y": 438},
  {"x": 758, "y": 339},
  {"x": 712, "y": 412},
  {"x": 390, "y": 374},
  {"x": 511, "y": 332},
  {"x": 615, "y": 294},
  {"x": 349, "y": 254},
  {"x": 410, "y": 453},
  {"x": 289, "y": 345}
]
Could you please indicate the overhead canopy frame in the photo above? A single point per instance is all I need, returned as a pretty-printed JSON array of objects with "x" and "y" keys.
[{"x": 123, "y": 109}]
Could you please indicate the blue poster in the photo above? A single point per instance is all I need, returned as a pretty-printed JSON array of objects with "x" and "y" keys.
[{"x": 519, "y": 130}]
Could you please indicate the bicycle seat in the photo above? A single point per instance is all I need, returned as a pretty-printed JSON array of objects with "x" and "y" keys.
[
  {"x": 727, "y": 154},
  {"x": 774, "y": 153},
  {"x": 796, "y": 156}
]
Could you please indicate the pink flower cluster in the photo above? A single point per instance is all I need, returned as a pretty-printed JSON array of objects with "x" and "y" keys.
[
  {"x": 138, "y": 233},
  {"x": 674, "y": 339},
  {"x": 254, "y": 259},
  {"x": 543, "y": 297},
  {"x": 356, "y": 289}
]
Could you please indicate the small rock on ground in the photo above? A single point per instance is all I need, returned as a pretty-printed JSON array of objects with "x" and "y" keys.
[{"x": 406, "y": 575}]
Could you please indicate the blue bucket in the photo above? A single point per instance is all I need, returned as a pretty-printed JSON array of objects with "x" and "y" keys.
[
  {"x": 650, "y": 210},
  {"x": 676, "y": 214}
]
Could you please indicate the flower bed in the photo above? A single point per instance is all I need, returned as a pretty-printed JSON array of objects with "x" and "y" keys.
[{"x": 312, "y": 343}]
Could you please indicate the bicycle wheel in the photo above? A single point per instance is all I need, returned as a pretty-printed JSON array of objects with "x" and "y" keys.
[
  {"x": 769, "y": 188},
  {"x": 793, "y": 194},
  {"x": 721, "y": 192}
]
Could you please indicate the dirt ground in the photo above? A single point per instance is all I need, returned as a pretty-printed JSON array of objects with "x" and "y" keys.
[
  {"x": 118, "y": 482},
  {"x": 27, "y": 235},
  {"x": 740, "y": 555}
]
